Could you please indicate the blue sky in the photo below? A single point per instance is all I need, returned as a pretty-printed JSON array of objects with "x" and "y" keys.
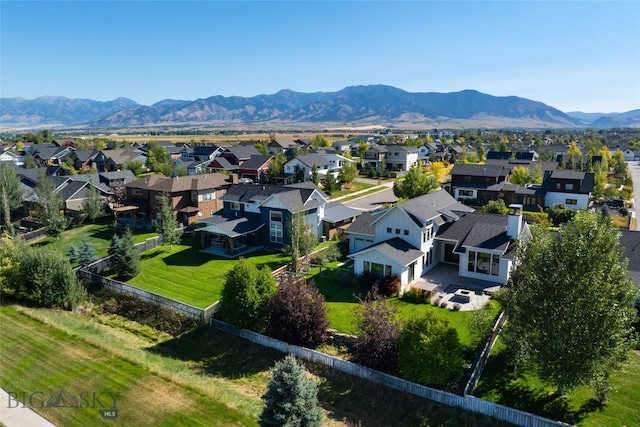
[{"x": 572, "y": 55}]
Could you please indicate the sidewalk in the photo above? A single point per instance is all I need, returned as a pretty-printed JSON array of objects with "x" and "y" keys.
[
  {"x": 14, "y": 414},
  {"x": 380, "y": 187}
]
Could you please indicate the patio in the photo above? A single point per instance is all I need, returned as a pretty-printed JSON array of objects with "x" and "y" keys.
[{"x": 445, "y": 283}]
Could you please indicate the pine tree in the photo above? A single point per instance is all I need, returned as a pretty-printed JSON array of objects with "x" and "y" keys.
[
  {"x": 291, "y": 398},
  {"x": 127, "y": 258},
  {"x": 49, "y": 206},
  {"x": 73, "y": 253},
  {"x": 167, "y": 227},
  {"x": 114, "y": 244},
  {"x": 87, "y": 253}
]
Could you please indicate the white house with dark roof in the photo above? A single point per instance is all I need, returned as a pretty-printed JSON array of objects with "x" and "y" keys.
[
  {"x": 413, "y": 237},
  {"x": 306, "y": 164}
]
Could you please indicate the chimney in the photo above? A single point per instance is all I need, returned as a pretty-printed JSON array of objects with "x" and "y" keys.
[
  {"x": 514, "y": 222},
  {"x": 234, "y": 178}
]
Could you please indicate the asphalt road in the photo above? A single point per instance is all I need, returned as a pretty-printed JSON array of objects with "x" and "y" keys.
[
  {"x": 634, "y": 170},
  {"x": 373, "y": 201}
]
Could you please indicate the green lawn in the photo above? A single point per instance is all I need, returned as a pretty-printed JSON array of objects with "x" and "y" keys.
[
  {"x": 341, "y": 300},
  {"x": 41, "y": 358},
  {"x": 204, "y": 377},
  {"x": 187, "y": 275},
  {"x": 355, "y": 186},
  {"x": 577, "y": 407},
  {"x": 99, "y": 235}
]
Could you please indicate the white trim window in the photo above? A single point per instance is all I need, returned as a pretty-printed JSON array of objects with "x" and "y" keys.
[{"x": 275, "y": 226}]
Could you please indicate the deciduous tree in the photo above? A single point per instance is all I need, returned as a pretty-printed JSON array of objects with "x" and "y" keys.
[
  {"x": 10, "y": 194},
  {"x": 430, "y": 351},
  {"x": 415, "y": 183},
  {"x": 245, "y": 294},
  {"x": 296, "y": 313},
  {"x": 348, "y": 173},
  {"x": 93, "y": 204},
  {"x": 49, "y": 206},
  {"x": 378, "y": 331},
  {"x": 291, "y": 398},
  {"x": 570, "y": 299}
]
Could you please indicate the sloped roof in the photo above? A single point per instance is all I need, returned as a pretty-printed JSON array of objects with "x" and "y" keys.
[
  {"x": 223, "y": 163},
  {"x": 396, "y": 249},
  {"x": 492, "y": 171},
  {"x": 363, "y": 224},
  {"x": 630, "y": 241},
  {"x": 479, "y": 230},
  {"x": 312, "y": 160},
  {"x": 293, "y": 197},
  {"x": 161, "y": 183},
  {"x": 336, "y": 212},
  {"x": 431, "y": 206},
  {"x": 256, "y": 161},
  {"x": 242, "y": 151},
  {"x": 232, "y": 225}
]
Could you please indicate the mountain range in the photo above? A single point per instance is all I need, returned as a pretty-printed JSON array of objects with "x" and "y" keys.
[{"x": 353, "y": 106}]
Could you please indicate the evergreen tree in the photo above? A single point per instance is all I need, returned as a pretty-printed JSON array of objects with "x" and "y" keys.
[
  {"x": 73, "y": 253},
  {"x": 330, "y": 183},
  {"x": 126, "y": 260},
  {"x": 292, "y": 398},
  {"x": 314, "y": 174},
  {"x": 114, "y": 244},
  {"x": 10, "y": 194},
  {"x": 87, "y": 253},
  {"x": 167, "y": 227}
]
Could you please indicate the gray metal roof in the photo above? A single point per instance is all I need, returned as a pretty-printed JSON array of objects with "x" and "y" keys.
[{"x": 232, "y": 226}]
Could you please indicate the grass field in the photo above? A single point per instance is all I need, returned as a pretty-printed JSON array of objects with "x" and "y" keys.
[
  {"x": 99, "y": 235},
  {"x": 577, "y": 407},
  {"x": 189, "y": 276},
  {"x": 205, "y": 377},
  {"x": 341, "y": 300}
]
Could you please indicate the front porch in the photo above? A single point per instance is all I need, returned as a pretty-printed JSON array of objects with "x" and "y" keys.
[
  {"x": 237, "y": 251},
  {"x": 444, "y": 283}
]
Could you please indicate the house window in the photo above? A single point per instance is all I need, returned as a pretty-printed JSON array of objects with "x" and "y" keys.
[
  {"x": 136, "y": 191},
  {"x": 387, "y": 271},
  {"x": 377, "y": 269},
  {"x": 206, "y": 197},
  {"x": 468, "y": 193},
  {"x": 366, "y": 266},
  {"x": 397, "y": 231},
  {"x": 483, "y": 263},
  {"x": 388, "y": 229},
  {"x": 236, "y": 206},
  {"x": 467, "y": 178},
  {"x": 406, "y": 232},
  {"x": 571, "y": 201},
  {"x": 275, "y": 226},
  {"x": 558, "y": 185},
  {"x": 568, "y": 187}
]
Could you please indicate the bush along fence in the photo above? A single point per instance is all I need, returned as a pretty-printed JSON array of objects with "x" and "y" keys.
[
  {"x": 91, "y": 273},
  {"x": 466, "y": 402}
]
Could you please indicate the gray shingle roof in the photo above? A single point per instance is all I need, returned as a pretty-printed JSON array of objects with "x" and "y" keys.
[
  {"x": 396, "y": 249},
  {"x": 432, "y": 205},
  {"x": 255, "y": 161},
  {"x": 478, "y": 170},
  {"x": 232, "y": 226},
  {"x": 479, "y": 230},
  {"x": 336, "y": 212},
  {"x": 293, "y": 197},
  {"x": 362, "y": 224}
]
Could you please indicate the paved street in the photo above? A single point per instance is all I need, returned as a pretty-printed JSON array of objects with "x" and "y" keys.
[{"x": 634, "y": 170}]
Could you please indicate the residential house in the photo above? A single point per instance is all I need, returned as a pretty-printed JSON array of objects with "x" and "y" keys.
[
  {"x": 471, "y": 181},
  {"x": 221, "y": 164},
  {"x": 336, "y": 160},
  {"x": 342, "y": 146},
  {"x": 571, "y": 188},
  {"x": 172, "y": 150},
  {"x": 193, "y": 198},
  {"x": 375, "y": 157},
  {"x": 204, "y": 153},
  {"x": 10, "y": 156},
  {"x": 239, "y": 154},
  {"x": 255, "y": 167},
  {"x": 51, "y": 155},
  {"x": 192, "y": 166},
  {"x": 257, "y": 215},
  {"x": 286, "y": 146},
  {"x": 304, "y": 166},
  {"x": 82, "y": 159},
  {"x": 631, "y": 155},
  {"x": 401, "y": 157},
  {"x": 411, "y": 238},
  {"x": 114, "y": 160}
]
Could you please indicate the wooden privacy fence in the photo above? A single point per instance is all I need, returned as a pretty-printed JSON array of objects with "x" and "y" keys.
[{"x": 466, "y": 402}]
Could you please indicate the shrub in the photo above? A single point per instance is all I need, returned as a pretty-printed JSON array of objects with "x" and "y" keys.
[
  {"x": 296, "y": 314},
  {"x": 443, "y": 304},
  {"x": 456, "y": 307},
  {"x": 623, "y": 211},
  {"x": 416, "y": 296},
  {"x": 386, "y": 286},
  {"x": 330, "y": 254}
]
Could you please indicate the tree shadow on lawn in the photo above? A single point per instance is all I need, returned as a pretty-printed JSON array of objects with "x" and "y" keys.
[
  {"x": 337, "y": 286},
  {"x": 189, "y": 257},
  {"x": 217, "y": 353},
  {"x": 150, "y": 254},
  {"x": 526, "y": 393}
]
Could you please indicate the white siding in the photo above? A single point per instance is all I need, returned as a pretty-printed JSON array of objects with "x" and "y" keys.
[
  {"x": 552, "y": 198},
  {"x": 397, "y": 219}
]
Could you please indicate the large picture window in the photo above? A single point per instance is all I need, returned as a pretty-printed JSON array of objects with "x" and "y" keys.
[
  {"x": 483, "y": 263},
  {"x": 275, "y": 226}
]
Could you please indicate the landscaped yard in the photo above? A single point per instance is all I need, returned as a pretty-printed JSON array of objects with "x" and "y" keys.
[
  {"x": 341, "y": 300},
  {"x": 187, "y": 275},
  {"x": 205, "y": 377},
  {"x": 355, "y": 186},
  {"x": 577, "y": 407},
  {"x": 99, "y": 235}
]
